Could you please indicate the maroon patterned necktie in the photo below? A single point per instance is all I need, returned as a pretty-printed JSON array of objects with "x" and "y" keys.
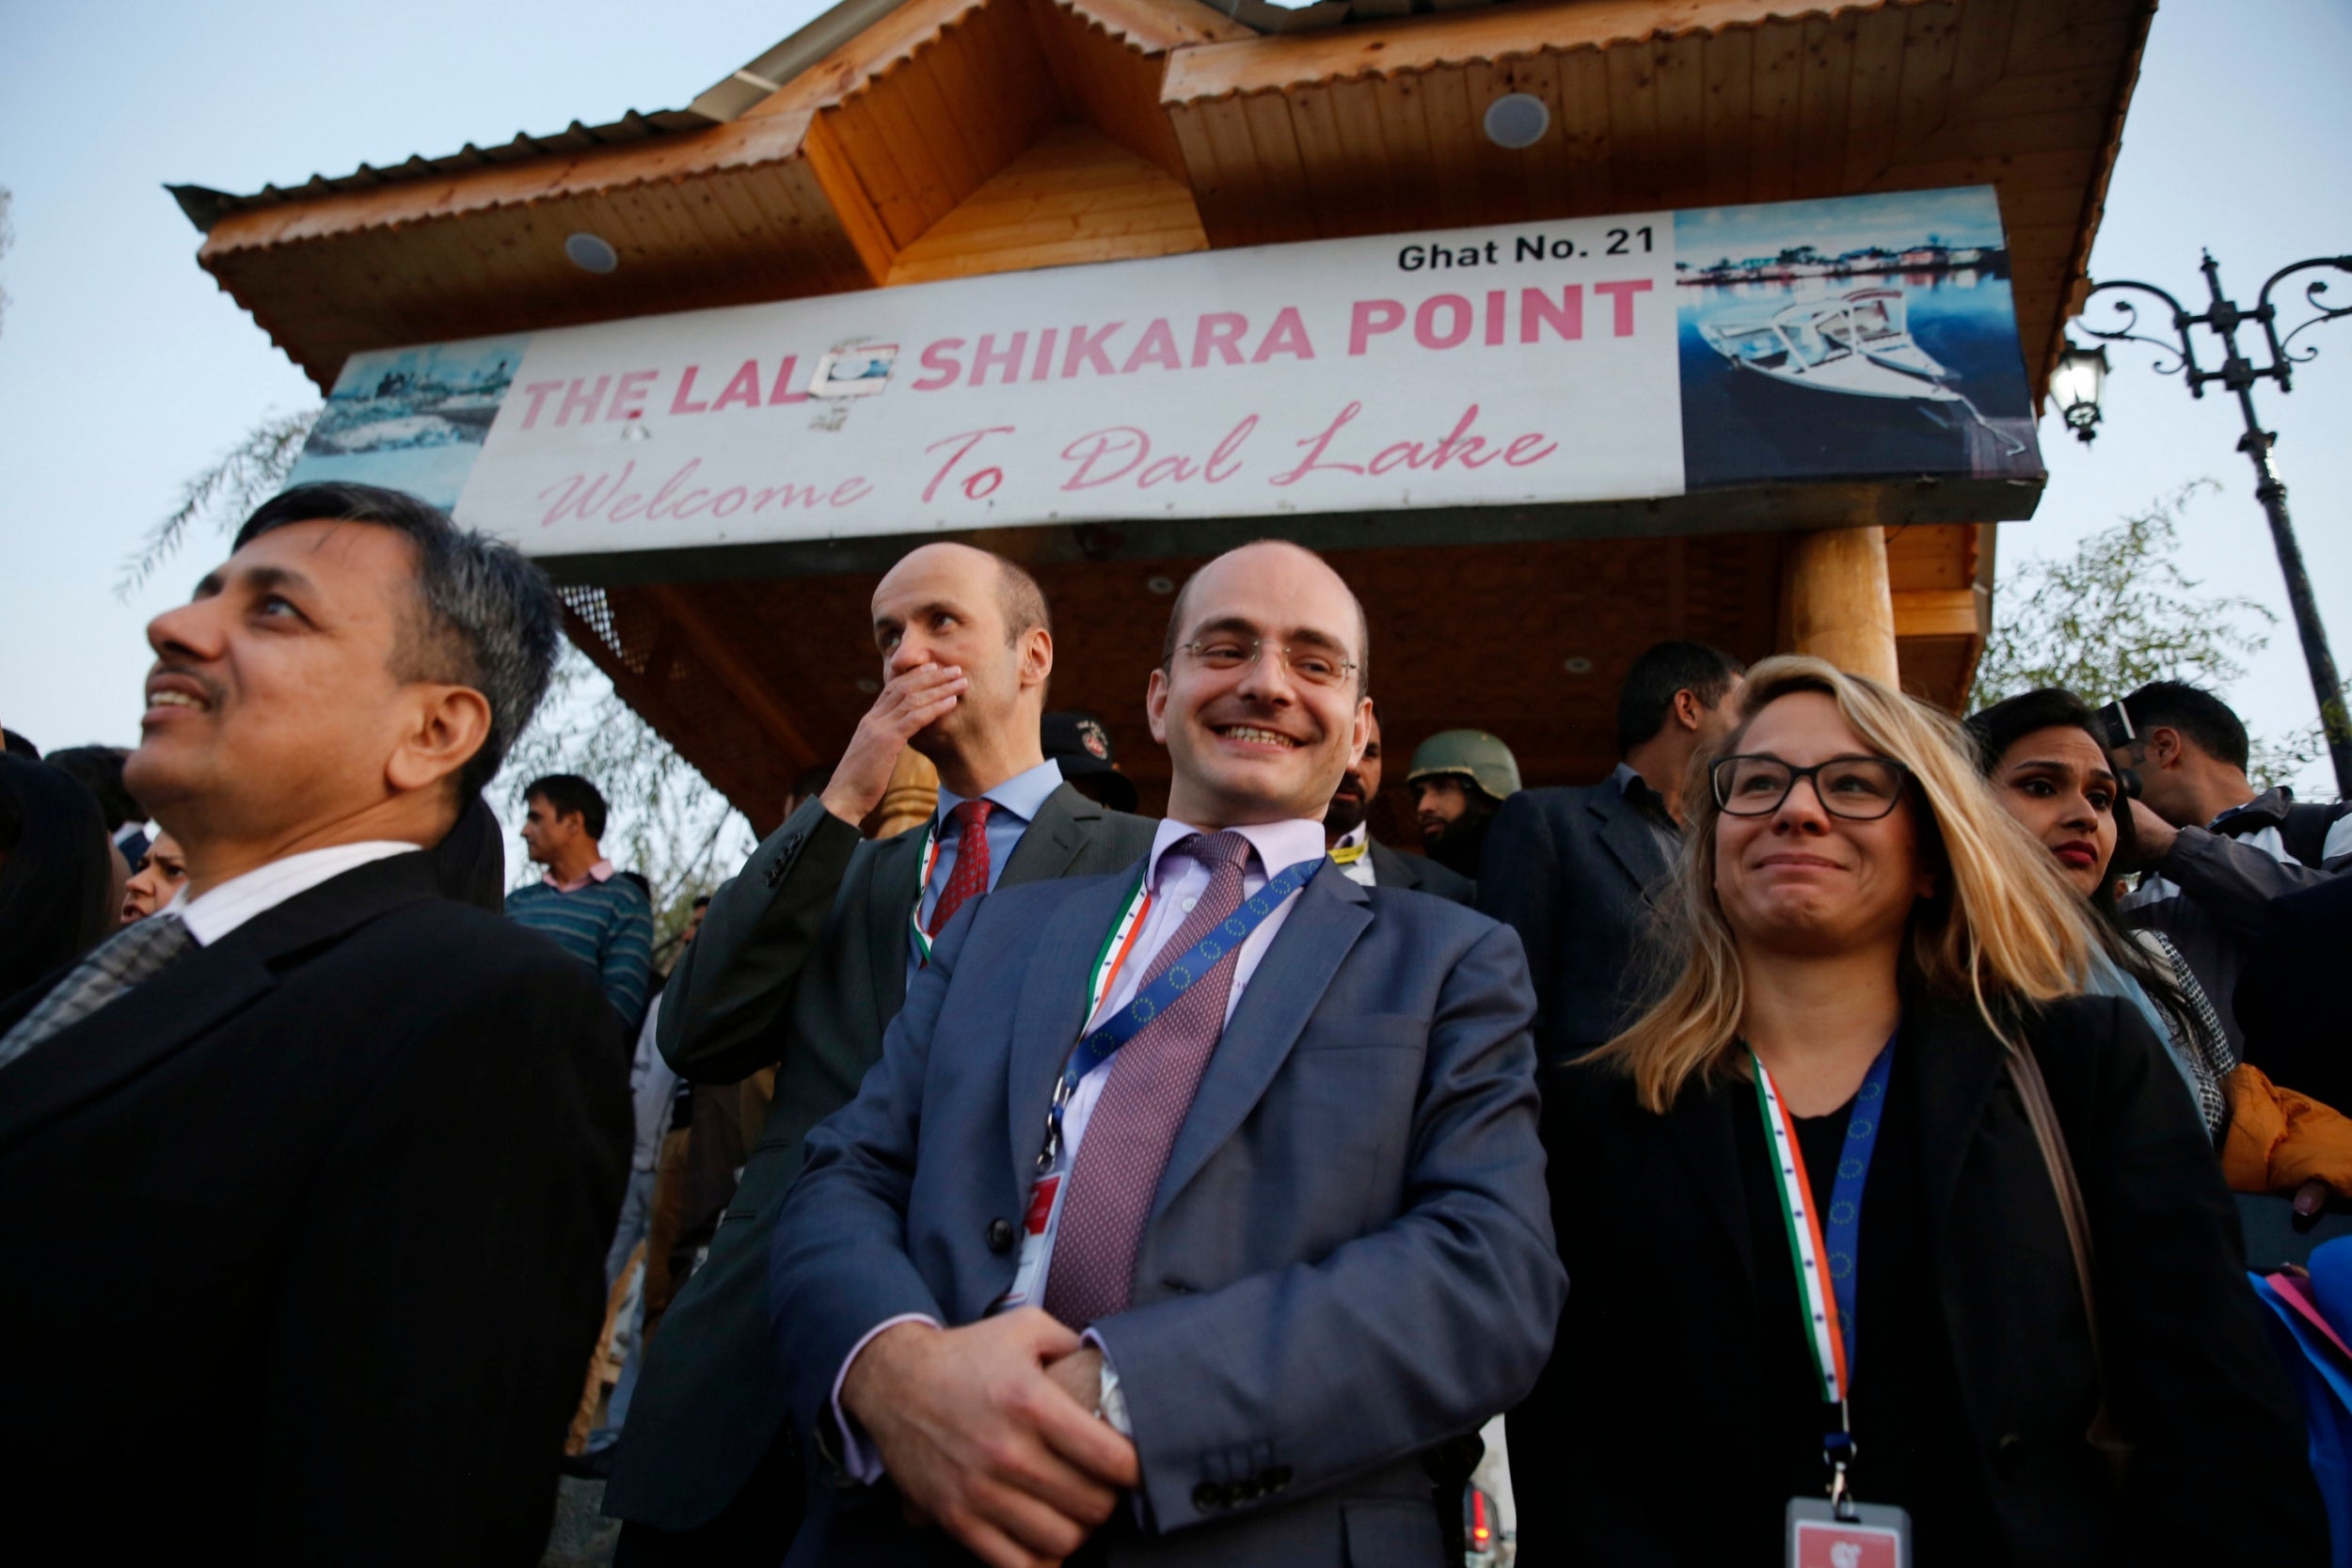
[
  {"x": 1135, "y": 1122},
  {"x": 970, "y": 877}
]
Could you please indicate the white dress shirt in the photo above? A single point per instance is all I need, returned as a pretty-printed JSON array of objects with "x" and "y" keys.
[
  {"x": 222, "y": 910},
  {"x": 1176, "y": 886},
  {"x": 653, "y": 1088}
]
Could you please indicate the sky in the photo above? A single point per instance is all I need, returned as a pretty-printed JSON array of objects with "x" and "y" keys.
[{"x": 123, "y": 369}]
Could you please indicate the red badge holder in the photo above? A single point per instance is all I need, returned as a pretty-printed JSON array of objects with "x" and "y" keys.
[{"x": 1822, "y": 1534}]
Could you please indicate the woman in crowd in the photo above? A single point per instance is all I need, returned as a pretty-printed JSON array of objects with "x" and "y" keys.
[
  {"x": 2046, "y": 758},
  {"x": 1809, "y": 1216},
  {"x": 157, "y": 879},
  {"x": 2043, "y": 756}
]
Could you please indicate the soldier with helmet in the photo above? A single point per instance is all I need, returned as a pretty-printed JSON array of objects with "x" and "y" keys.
[{"x": 1459, "y": 779}]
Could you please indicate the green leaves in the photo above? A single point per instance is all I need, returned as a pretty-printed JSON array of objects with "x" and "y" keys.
[
  {"x": 224, "y": 495},
  {"x": 2121, "y": 612}
]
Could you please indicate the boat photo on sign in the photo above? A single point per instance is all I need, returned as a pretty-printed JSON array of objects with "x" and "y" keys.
[
  {"x": 1509, "y": 372},
  {"x": 1849, "y": 338},
  {"x": 414, "y": 418}
]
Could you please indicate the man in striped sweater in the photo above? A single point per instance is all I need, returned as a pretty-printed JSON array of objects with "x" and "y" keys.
[{"x": 595, "y": 913}]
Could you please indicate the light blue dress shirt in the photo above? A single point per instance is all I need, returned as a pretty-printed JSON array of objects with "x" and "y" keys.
[{"x": 1018, "y": 801}]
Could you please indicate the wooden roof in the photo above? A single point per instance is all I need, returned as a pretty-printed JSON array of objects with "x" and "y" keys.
[
  {"x": 1366, "y": 128},
  {"x": 949, "y": 137}
]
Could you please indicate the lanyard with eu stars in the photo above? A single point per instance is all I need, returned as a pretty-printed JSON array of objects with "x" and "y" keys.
[
  {"x": 1099, "y": 1045},
  {"x": 1826, "y": 1247},
  {"x": 1103, "y": 1042}
]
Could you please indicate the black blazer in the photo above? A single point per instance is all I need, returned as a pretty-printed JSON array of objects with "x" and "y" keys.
[
  {"x": 1418, "y": 873},
  {"x": 1573, "y": 871},
  {"x": 1635, "y": 1447},
  {"x": 801, "y": 962},
  {"x": 2290, "y": 997},
  {"x": 306, "y": 1238}
]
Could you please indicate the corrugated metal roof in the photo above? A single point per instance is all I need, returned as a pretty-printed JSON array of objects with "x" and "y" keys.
[
  {"x": 723, "y": 101},
  {"x": 206, "y": 207},
  {"x": 726, "y": 100}
]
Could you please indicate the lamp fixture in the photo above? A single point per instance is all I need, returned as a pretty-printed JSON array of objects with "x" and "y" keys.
[{"x": 2076, "y": 385}]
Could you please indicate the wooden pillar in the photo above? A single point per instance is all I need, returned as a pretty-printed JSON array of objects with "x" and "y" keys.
[
  {"x": 912, "y": 796},
  {"x": 1837, "y": 603}
]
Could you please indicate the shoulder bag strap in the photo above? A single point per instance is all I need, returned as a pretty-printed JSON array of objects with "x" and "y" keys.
[{"x": 2033, "y": 1092}]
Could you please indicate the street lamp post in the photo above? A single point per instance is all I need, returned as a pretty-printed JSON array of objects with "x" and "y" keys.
[{"x": 2076, "y": 387}]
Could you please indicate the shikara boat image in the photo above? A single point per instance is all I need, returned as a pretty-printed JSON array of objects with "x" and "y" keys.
[{"x": 1857, "y": 344}]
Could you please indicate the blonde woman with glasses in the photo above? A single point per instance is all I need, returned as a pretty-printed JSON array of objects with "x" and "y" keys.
[{"x": 1820, "y": 1223}]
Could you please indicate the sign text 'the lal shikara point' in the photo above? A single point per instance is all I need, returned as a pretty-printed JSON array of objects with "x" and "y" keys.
[
  {"x": 1562, "y": 328},
  {"x": 1628, "y": 358}
]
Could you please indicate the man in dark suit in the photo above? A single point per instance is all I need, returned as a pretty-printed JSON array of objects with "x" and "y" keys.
[
  {"x": 1347, "y": 832},
  {"x": 1274, "y": 1136},
  {"x": 2290, "y": 1000},
  {"x": 802, "y": 964},
  {"x": 1573, "y": 870},
  {"x": 308, "y": 1177}
]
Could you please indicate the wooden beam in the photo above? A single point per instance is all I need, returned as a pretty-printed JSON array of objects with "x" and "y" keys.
[
  {"x": 1836, "y": 602},
  {"x": 719, "y": 658},
  {"x": 1454, "y": 38},
  {"x": 1154, "y": 27},
  {"x": 1940, "y": 613},
  {"x": 684, "y": 155},
  {"x": 909, "y": 799},
  {"x": 846, "y": 195},
  {"x": 873, "y": 52}
]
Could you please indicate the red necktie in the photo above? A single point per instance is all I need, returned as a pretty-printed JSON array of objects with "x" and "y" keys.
[{"x": 970, "y": 877}]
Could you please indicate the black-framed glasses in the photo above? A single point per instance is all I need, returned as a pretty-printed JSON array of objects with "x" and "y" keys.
[
  {"x": 1860, "y": 789},
  {"x": 1222, "y": 655}
]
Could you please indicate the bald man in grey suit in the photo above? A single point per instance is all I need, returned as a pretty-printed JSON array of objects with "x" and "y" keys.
[{"x": 802, "y": 964}]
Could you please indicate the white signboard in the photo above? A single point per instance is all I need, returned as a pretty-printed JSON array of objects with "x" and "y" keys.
[{"x": 1592, "y": 360}]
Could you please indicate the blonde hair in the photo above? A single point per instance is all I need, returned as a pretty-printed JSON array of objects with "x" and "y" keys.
[{"x": 2003, "y": 928}]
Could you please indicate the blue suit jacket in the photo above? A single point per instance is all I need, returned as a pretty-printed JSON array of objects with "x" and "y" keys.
[{"x": 1349, "y": 1258}]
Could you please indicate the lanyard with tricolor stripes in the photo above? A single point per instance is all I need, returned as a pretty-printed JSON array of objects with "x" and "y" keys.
[
  {"x": 923, "y": 885},
  {"x": 1103, "y": 1042},
  {"x": 1826, "y": 1247}
]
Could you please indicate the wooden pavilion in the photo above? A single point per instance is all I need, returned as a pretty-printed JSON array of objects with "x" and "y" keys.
[{"x": 906, "y": 141}]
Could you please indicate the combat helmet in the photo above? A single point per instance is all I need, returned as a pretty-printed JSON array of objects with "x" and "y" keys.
[{"x": 1481, "y": 758}]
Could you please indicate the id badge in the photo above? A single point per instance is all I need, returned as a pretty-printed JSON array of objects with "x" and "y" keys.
[
  {"x": 1037, "y": 1241},
  {"x": 1878, "y": 1536}
]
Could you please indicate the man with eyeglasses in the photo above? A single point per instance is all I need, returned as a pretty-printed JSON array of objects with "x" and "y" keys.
[
  {"x": 806, "y": 956},
  {"x": 1197, "y": 1201}
]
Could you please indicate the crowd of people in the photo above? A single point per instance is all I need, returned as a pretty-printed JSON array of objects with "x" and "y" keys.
[{"x": 1049, "y": 1182}]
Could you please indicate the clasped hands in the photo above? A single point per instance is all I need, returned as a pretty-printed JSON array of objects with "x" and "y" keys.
[{"x": 990, "y": 1431}]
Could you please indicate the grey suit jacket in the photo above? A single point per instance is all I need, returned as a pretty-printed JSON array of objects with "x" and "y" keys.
[
  {"x": 801, "y": 963},
  {"x": 1349, "y": 1258},
  {"x": 1574, "y": 872},
  {"x": 1419, "y": 874}
]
